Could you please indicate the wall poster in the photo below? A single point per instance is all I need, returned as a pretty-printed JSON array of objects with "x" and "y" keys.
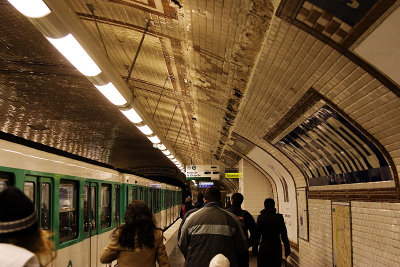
[
  {"x": 341, "y": 234},
  {"x": 302, "y": 213}
]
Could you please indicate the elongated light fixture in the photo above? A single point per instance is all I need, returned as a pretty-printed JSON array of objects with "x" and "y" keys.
[
  {"x": 170, "y": 156},
  {"x": 111, "y": 93},
  {"x": 145, "y": 130},
  {"x": 74, "y": 52},
  {"x": 132, "y": 115},
  {"x": 174, "y": 160},
  {"x": 166, "y": 152},
  {"x": 154, "y": 139},
  {"x": 162, "y": 147},
  {"x": 31, "y": 8}
]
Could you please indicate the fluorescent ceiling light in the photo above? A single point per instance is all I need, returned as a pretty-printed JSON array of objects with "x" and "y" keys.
[
  {"x": 31, "y": 8},
  {"x": 174, "y": 160},
  {"x": 74, "y": 52},
  {"x": 170, "y": 156},
  {"x": 111, "y": 93},
  {"x": 132, "y": 115},
  {"x": 154, "y": 139},
  {"x": 162, "y": 147},
  {"x": 166, "y": 152},
  {"x": 145, "y": 129}
]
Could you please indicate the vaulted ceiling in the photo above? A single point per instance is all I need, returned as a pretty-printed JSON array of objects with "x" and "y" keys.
[{"x": 214, "y": 78}]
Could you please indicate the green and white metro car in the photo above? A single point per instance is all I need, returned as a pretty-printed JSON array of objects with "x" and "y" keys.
[{"x": 81, "y": 203}]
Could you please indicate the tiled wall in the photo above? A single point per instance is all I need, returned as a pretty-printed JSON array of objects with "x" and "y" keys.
[
  {"x": 255, "y": 188},
  {"x": 318, "y": 250},
  {"x": 376, "y": 234}
]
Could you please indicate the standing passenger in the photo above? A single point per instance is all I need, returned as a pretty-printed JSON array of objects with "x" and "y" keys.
[
  {"x": 22, "y": 242},
  {"x": 212, "y": 230},
  {"x": 186, "y": 207},
  {"x": 248, "y": 224},
  {"x": 200, "y": 201},
  {"x": 272, "y": 229},
  {"x": 137, "y": 242}
]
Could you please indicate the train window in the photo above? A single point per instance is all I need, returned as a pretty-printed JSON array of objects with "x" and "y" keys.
[
  {"x": 6, "y": 179},
  {"x": 45, "y": 208},
  {"x": 93, "y": 210},
  {"x": 132, "y": 194},
  {"x": 85, "y": 209},
  {"x": 116, "y": 204},
  {"x": 105, "y": 213},
  {"x": 141, "y": 196},
  {"x": 29, "y": 190},
  {"x": 68, "y": 220}
]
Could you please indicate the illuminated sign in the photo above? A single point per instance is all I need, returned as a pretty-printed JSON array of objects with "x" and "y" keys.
[
  {"x": 206, "y": 184},
  {"x": 202, "y": 172},
  {"x": 233, "y": 175}
]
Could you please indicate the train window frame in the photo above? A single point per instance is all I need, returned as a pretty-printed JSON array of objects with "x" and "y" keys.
[
  {"x": 105, "y": 208},
  {"x": 74, "y": 210}
]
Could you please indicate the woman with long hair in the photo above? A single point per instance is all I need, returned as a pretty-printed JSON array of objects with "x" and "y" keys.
[
  {"x": 137, "y": 242},
  {"x": 22, "y": 242}
]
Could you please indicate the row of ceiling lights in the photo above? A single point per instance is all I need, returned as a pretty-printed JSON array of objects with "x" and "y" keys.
[{"x": 71, "y": 49}]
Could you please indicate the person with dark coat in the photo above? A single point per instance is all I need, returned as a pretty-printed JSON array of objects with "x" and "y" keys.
[
  {"x": 210, "y": 231},
  {"x": 186, "y": 207},
  {"x": 248, "y": 223},
  {"x": 200, "y": 201},
  {"x": 272, "y": 229}
]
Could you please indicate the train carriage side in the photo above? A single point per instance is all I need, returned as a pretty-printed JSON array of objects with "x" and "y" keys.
[{"x": 79, "y": 202}]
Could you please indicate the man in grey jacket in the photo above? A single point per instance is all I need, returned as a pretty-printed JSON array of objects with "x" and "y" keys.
[{"x": 212, "y": 230}]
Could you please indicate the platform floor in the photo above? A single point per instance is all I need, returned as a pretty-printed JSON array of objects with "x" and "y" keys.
[{"x": 176, "y": 258}]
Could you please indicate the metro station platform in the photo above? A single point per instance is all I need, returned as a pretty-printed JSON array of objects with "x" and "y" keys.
[{"x": 176, "y": 258}]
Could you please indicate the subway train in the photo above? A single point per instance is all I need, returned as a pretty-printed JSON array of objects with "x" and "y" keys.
[{"x": 81, "y": 203}]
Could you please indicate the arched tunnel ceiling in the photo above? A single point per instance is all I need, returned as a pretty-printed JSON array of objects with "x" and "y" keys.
[{"x": 208, "y": 73}]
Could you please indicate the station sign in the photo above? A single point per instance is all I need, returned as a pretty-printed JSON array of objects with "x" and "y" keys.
[
  {"x": 202, "y": 172},
  {"x": 155, "y": 185},
  {"x": 205, "y": 184},
  {"x": 233, "y": 175}
]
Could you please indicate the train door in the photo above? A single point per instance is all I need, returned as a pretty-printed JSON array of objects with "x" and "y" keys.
[{"x": 90, "y": 224}]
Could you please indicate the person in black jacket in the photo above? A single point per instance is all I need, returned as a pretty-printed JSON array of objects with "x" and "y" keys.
[
  {"x": 248, "y": 223},
  {"x": 186, "y": 207},
  {"x": 272, "y": 228},
  {"x": 200, "y": 201}
]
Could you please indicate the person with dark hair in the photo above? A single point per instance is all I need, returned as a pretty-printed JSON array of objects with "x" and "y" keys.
[
  {"x": 137, "y": 242},
  {"x": 210, "y": 231},
  {"x": 22, "y": 242},
  {"x": 200, "y": 201},
  {"x": 248, "y": 223},
  {"x": 272, "y": 229},
  {"x": 186, "y": 207}
]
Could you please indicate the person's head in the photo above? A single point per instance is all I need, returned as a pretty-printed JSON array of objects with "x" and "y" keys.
[
  {"x": 212, "y": 194},
  {"x": 200, "y": 197},
  {"x": 237, "y": 199},
  {"x": 19, "y": 225},
  {"x": 269, "y": 203},
  {"x": 188, "y": 200},
  {"x": 219, "y": 260},
  {"x": 138, "y": 221}
]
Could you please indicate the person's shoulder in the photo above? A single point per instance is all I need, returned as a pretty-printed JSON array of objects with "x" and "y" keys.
[{"x": 20, "y": 256}]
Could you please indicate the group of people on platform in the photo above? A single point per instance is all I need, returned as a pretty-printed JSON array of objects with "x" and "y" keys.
[{"x": 209, "y": 235}]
